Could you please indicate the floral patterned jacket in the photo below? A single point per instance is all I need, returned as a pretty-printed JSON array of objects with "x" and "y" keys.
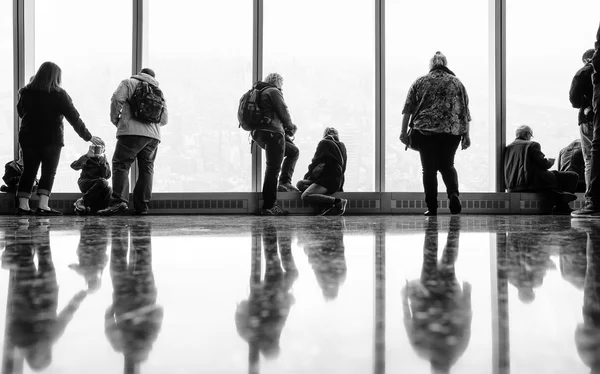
[{"x": 438, "y": 103}]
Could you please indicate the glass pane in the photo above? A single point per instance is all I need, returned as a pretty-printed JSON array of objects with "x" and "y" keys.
[
  {"x": 94, "y": 58},
  {"x": 203, "y": 78},
  {"x": 7, "y": 104},
  {"x": 540, "y": 64},
  {"x": 327, "y": 63},
  {"x": 409, "y": 46}
]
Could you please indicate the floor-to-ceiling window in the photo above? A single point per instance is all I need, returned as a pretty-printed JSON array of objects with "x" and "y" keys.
[
  {"x": 6, "y": 82},
  {"x": 325, "y": 51},
  {"x": 415, "y": 30},
  {"x": 91, "y": 42},
  {"x": 202, "y": 55},
  {"x": 545, "y": 42}
]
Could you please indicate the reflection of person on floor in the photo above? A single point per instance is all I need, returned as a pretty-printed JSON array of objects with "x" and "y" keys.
[
  {"x": 572, "y": 259},
  {"x": 325, "y": 250},
  {"x": 133, "y": 321},
  {"x": 91, "y": 251},
  {"x": 33, "y": 322},
  {"x": 528, "y": 262},
  {"x": 260, "y": 319},
  {"x": 437, "y": 311},
  {"x": 587, "y": 334}
]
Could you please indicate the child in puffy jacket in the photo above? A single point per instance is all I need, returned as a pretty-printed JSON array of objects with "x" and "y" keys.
[{"x": 93, "y": 181}]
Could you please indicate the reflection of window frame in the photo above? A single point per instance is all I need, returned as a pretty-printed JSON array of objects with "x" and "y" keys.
[{"x": 23, "y": 39}]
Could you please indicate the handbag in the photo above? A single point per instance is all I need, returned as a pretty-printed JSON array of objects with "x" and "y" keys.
[{"x": 411, "y": 140}]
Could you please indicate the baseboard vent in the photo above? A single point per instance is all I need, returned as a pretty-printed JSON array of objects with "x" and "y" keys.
[
  {"x": 530, "y": 204},
  {"x": 356, "y": 206},
  {"x": 197, "y": 204},
  {"x": 443, "y": 204}
]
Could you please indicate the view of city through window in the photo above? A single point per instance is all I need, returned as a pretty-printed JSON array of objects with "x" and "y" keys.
[
  {"x": 202, "y": 55},
  {"x": 414, "y": 32},
  {"x": 328, "y": 65},
  {"x": 545, "y": 42}
]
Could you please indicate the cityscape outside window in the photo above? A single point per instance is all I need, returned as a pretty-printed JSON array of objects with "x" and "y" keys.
[
  {"x": 415, "y": 30},
  {"x": 327, "y": 61},
  {"x": 202, "y": 55}
]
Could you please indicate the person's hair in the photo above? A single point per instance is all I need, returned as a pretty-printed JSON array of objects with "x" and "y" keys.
[
  {"x": 148, "y": 71},
  {"x": 48, "y": 78},
  {"x": 438, "y": 60},
  {"x": 522, "y": 131},
  {"x": 331, "y": 132},
  {"x": 274, "y": 79},
  {"x": 587, "y": 56}
]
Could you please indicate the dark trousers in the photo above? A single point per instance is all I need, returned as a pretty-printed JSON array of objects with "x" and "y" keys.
[
  {"x": 274, "y": 146},
  {"x": 593, "y": 190},
  {"x": 128, "y": 149},
  {"x": 96, "y": 193},
  {"x": 437, "y": 154},
  {"x": 291, "y": 155},
  {"x": 48, "y": 156}
]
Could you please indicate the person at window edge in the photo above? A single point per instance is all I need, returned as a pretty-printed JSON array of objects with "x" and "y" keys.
[
  {"x": 42, "y": 105},
  {"x": 136, "y": 140},
  {"x": 526, "y": 170},
  {"x": 271, "y": 136},
  {"x": 591, "y": 207},
  {"x": 437, "y": 108},
  {"x": 580, "y": 96}
]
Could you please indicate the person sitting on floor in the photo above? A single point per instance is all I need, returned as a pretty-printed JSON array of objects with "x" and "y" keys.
[
  {"x": 93, "y": 181},
  {"x": 526, "y": 170},
  {"x": 325, "y": 174},
  {"x": 570, "y": 158}
]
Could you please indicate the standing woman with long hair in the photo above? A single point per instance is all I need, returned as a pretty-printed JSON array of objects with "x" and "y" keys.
[
  {"x": 437, "y": 108},
  {"x": 42, "y": 105}
]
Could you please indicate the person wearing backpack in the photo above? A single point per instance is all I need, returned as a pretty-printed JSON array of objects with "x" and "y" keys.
[
  {"x": 273, "y": 135},
  {"x": 580, "y": 96},
  {"x": 138, "y": 110}
]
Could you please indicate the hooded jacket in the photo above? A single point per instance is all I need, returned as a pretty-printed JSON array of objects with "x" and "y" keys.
[
  {"x": 332, "y": 152},
  {"x": 526, "y": 167},
  {"x": 275, "y": 109},
  {"x": 121, "y": 114},
  {"x": 42, "y": 114},
  {"x": 92, "y": 167}
]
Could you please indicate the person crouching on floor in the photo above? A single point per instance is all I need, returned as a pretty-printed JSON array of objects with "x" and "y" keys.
[
  {"x": 93, "y": 181},
  {"x": 325, "y": 175}
]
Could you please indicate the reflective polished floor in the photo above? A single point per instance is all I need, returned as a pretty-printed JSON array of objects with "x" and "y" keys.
[{"x": 355, "y": 294}]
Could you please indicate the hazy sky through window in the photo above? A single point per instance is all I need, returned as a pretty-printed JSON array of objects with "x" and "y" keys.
[{"x": 203, "y": 51}]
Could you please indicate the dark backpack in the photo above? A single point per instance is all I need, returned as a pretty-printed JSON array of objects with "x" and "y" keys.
[
  {"x": 147, "y": 102},
  {"x": 250, "y": 115}
]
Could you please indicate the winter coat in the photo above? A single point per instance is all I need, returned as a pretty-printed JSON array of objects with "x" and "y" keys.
[
  {"x": 332, "y": 152},
  {"x": 121, "y": 114},
  {"x": 526, "y": 167},
  {"x": 275, "y": 110},
  {"x": 92, "y": 167},
  {"x": 570, "y": 158},
  {"x": 596, "y": 75},
  {"x": 42, "y": 114},
  {"x": 580, "y": 94}
]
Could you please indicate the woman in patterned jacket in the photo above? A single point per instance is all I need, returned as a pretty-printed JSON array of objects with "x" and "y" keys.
[{"x": 437, "y": 110}]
